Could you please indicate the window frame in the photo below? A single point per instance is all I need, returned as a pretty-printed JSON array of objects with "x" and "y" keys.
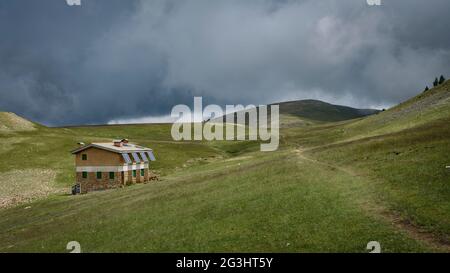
[
  {"x": 142, "y": 172},
  {"x": 134, "y": 173},
  {"x": 84, "y": 175},
  {"x": 112, "y": 175},
  {"x": 84, "y": 157},
  {"x": 99, "y": 175}
]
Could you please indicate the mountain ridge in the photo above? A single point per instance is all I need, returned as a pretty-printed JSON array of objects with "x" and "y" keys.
[{"x": 315, "y": 111}]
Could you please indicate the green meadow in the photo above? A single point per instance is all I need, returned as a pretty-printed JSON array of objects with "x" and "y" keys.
[{"x": 333, "y": 185}]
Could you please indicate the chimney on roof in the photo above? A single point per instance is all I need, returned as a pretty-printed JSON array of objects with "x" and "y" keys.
[
  {"x": 81, "y": 143},
  {"x": 118, "y": 143},
  {"x": 124, "y": 142}
]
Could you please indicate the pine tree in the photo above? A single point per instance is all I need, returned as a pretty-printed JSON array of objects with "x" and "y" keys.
[
  {"x": 426, "y": 89},
  {"x": 436, "y": 82},
  {"x": 441, "y": 79}
]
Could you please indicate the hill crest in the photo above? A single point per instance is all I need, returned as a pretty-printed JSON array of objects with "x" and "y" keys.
[
  {"x": 317, "y": 111},
  {"x": 11, "y": 122},
  {"x": 322, "y": 111}
]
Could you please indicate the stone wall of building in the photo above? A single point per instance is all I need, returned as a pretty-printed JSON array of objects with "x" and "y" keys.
[{"x": 91, "y": 183}]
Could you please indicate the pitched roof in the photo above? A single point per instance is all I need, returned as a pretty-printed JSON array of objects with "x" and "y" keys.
[{"x": 109, "y": 146}]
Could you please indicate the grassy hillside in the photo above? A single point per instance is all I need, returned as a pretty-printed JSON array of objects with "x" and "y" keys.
[
  {"x": 403, "y": 153},
  {"x": 426, "y": 108},
  {"x": 45, "y": 152},
  {"x": 12, "y": 122},
  {"x": 331, "y": 187},
  {"x": 255, "y": 203}
]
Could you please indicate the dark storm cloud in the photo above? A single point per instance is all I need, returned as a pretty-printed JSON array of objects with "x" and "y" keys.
[{"x": 127, "y": 59}]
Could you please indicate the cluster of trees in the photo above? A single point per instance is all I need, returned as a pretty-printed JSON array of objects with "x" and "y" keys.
[{"x": 437, "y": 82}]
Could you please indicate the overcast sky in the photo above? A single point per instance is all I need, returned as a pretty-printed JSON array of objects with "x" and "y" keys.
[{"x": 116, "y": 60}]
